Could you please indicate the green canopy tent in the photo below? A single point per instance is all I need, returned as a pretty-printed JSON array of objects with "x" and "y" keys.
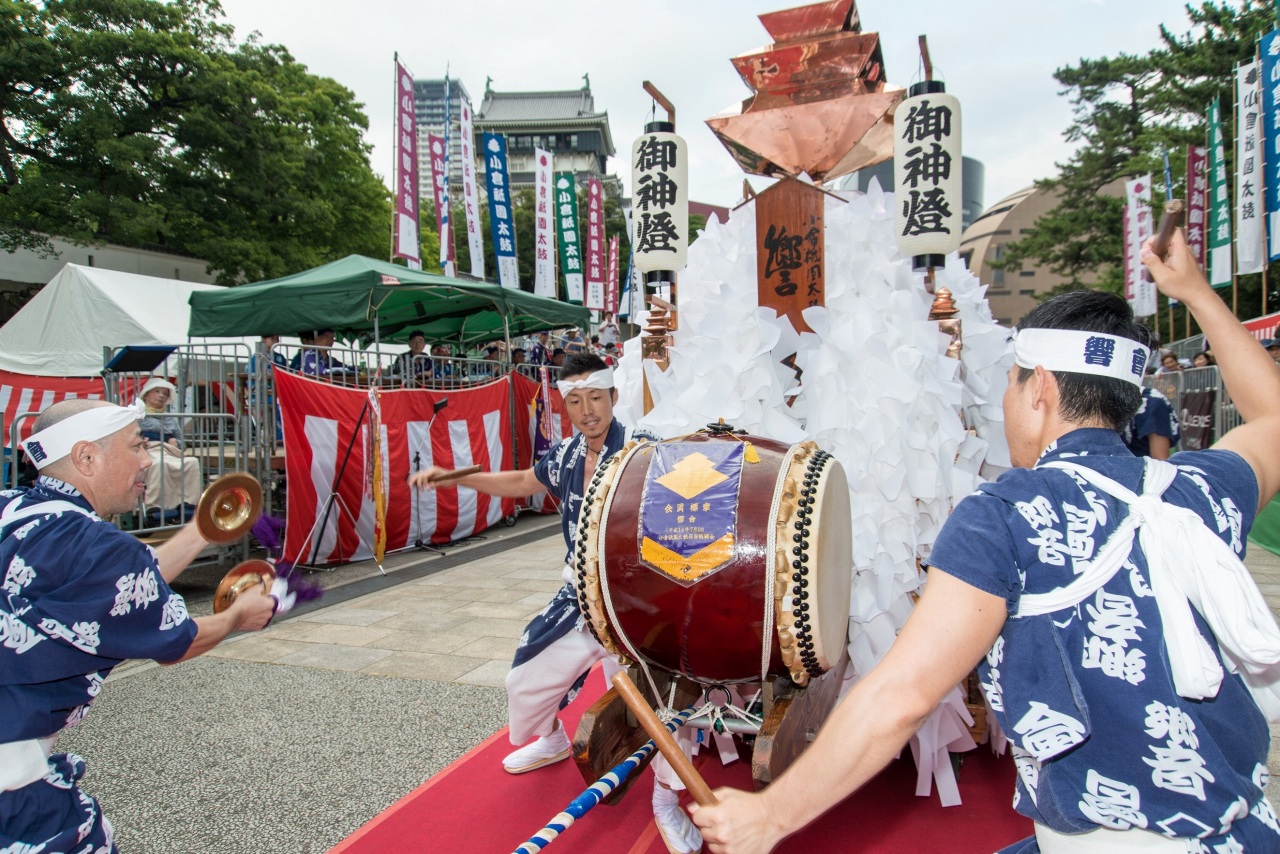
[{"x": 372, "y": 300}]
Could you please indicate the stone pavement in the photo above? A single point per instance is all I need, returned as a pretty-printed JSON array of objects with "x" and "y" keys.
[{"x": 459, "y": 624}]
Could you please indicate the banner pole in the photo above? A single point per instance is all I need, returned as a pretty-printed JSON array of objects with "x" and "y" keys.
[{"x": 395, "y": 151}]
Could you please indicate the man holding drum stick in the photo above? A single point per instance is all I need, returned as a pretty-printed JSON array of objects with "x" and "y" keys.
[
  {"x": 556, "y": 650},
  {"x": 1127, "y": 654}
]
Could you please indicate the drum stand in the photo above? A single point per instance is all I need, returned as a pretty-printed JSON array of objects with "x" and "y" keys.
[{"x": 608, "y": 732}]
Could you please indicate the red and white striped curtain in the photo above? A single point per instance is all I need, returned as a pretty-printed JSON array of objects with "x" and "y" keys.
[{"x": 320, "y": 420}]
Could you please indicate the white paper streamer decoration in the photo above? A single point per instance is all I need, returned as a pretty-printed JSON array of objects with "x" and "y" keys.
[
  {"x": 660, "y": 197},
  {"x": 878, "y": 392},
  {"x": 926, "y": 174}
]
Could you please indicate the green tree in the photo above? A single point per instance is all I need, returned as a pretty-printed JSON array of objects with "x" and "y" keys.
[
  {"x": 1129, "y": 110},
  {"x": 144, "y": 123}
]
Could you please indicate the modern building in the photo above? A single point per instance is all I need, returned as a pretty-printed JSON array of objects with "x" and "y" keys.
[
  {"x": 428, "y": 108},
  {"x": 1013, "y": 293},
  {"x": 564, "y": 122},
  {"x": 972, "y": 175},
  {"x": 24, "y": 272}
]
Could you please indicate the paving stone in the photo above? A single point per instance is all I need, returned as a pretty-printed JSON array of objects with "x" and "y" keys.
[
  {"x": 335, "y": 657},
  {"x": 342, "y": 635},
  {"x": 346, "y": 616},
  {"x": 498, "y": 610},
  {"x": 497, "y": 649},
  {"x": 417, "y": 665},
  {"x": 256, "y": 648},
  {"x": 420, "y": 621},
  {"x": 492, "y": 673}
]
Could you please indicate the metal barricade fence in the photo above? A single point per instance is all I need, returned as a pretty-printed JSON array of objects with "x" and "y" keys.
[
  {"x": 1186, "y": 391},
  {"x": 212, "y": 405}
]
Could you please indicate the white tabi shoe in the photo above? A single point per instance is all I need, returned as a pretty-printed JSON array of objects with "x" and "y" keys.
[
  {"x": 547, "y": 750},
  {"x": 677, "y": 830}
]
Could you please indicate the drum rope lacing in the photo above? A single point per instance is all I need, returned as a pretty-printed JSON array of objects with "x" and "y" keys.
[{"x": 715, "y": 712}]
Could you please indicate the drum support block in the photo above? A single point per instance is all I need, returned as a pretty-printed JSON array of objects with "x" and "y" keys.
[
  {"x": 608, "y": 733},
  {"x": 792, "y": 718}
]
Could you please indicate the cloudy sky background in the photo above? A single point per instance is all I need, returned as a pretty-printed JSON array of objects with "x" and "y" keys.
[{"x": 997, "y": 56}]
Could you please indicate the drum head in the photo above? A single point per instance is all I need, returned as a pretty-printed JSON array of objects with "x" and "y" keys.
[{"x": 832, "y": 566}]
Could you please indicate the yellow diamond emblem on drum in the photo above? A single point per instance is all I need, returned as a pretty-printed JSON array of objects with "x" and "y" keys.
[{"x": 692, "y": 476}]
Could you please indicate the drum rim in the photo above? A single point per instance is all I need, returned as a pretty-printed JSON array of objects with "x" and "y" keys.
[{"x": 590, "y": 544}]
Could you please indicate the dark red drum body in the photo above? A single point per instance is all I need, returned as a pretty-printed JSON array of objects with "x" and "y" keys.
[{"x": 762, "y": 584}]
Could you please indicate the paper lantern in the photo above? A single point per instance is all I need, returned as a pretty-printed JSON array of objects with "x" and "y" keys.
[
  {"x": 926, "y": 174},
  {"x": 660, "y": 195}
]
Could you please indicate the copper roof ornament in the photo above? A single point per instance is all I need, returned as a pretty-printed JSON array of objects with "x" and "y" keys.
[{"x": 821, "y": 104}]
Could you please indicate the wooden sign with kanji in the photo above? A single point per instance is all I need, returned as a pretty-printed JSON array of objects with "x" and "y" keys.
[{"x": 791, "y": 262}]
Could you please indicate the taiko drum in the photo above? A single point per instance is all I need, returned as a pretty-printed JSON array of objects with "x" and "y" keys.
[{"x": 767, "y": 594}]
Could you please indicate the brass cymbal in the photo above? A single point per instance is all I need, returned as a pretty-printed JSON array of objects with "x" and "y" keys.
[
  {"x": 229, "y": 507},
  {"x": 242, "y": 577}
]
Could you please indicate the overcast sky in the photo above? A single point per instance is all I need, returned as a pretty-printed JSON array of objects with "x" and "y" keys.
[{"x": 997, "y": 56}]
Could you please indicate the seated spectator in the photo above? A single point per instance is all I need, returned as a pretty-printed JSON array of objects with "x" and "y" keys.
[
  {"x": 317, "y": 361},
  {"x": 415, "y": 365},
  {"x": 267, "y": 345},
  {"x": 538, "y": 352},
  {"x": 1203, "y": 359},
  {"x": 307, "y": 339},
  {"x": 1154, "y": 431},
  {"x": 1272, "y": 346},
  {"x": 573, "y": 341},
  {"x": 557, "y": 357},
  {"x": 172, "y": 479},
  {"x": 611, "y": 354},
  {"x": 442, "y": 361},
  {"x": 517, "y": 356},
  {"x": 1169, "y": 363}
]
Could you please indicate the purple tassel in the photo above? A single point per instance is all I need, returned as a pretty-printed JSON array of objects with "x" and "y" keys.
[
  {"x": 268, "y": 531},
  {"x": 301, "y": 585}
]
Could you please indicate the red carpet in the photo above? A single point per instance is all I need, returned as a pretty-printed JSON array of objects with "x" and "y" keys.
[{"x": 475, "y": 806}]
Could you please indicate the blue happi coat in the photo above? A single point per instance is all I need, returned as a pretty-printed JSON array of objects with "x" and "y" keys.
[
  {"x": 1085, "y": 695},
  {"x": 78, "y": 596},
  {"x": 562, "y": 471},
  {"x": 1155, "y": 417}
]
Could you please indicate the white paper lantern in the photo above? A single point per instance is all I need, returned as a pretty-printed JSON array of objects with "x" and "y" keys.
[
  {"x": 926, "y": 174},
  {"x": 660, "y": 199}
]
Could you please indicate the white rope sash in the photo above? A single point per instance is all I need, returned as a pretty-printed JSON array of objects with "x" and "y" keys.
[{"x": 1188, "y": 566}]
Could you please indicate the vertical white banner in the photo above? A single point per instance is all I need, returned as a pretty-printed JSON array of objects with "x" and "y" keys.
[
  {"x": 544, "y": 258},
  {"x": 1249, "y": 223},
  {"x": 475, "y": 240},
  {"x": 1138, "y": 229}
]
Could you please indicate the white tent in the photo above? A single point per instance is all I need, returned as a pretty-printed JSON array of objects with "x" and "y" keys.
[{"x": 62, "y": 330}]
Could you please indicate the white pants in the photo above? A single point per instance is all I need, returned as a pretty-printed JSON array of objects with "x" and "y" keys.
[
  {"x": 172, "y": 479},
  {"x": 535, "y": 689}
]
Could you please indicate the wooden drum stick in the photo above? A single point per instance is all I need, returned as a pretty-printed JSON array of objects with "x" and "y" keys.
[
  {"x": 680, "y": 763},
  {"x": 456, "y": 474},
  {"x": 1174, "y": 213}
]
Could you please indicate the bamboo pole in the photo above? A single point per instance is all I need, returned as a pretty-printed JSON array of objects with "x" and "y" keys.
[{"x": 671, "y": 751}]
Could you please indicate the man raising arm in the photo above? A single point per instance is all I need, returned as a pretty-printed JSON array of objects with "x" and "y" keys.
[{"x": 1116, "y": 741}]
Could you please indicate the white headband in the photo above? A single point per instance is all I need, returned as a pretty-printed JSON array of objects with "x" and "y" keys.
[
  {"x": 1075, "y": 352},
  {"x": 56, "y": 441},
  {"x": 600, "y": 379}
]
